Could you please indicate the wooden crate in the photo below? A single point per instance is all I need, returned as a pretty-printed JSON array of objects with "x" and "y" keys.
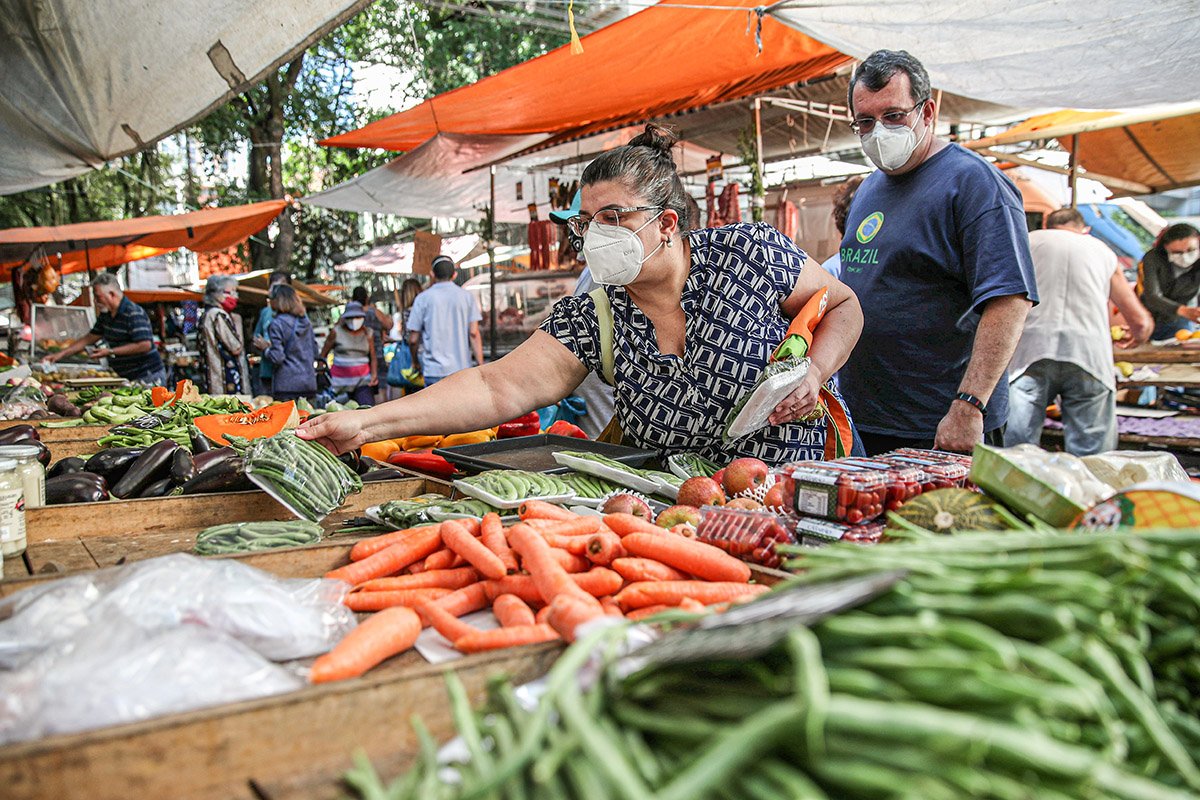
[{"x": 80, "y": 536}]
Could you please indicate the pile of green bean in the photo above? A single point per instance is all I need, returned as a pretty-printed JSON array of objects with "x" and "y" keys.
[
  {"x": 1008, "y": 666},
  {"x": 301, "y": 474},
  {"x": 249, "y": 537}
]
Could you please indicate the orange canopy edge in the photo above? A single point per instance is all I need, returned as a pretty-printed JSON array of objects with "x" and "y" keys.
[
  {"x": 108, "y": 244},
  {"x": 656, "y": 62}
]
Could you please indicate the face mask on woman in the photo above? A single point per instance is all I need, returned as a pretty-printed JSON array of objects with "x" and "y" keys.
[
  {"x": 229, "y": 303},
  {"x": 614, "y": 254},
  {"x": 1185, "y": 259},
  {"x": 355, "y": 324}
]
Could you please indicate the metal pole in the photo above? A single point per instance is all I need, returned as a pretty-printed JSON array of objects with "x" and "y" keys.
[
  {"x": 491, "y": 248},
  {"x": 760, "y": 196},
  {"x": 1074, "y": 170}
]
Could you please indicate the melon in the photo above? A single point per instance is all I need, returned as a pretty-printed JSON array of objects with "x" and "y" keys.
[
  {"x": 254, "y": 424},
  {"x": 953, "y": 510}
]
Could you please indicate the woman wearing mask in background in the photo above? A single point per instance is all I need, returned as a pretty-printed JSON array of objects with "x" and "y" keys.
[
  {"x": 1169, "y": 280},
  {"x": 354, "y": 368},
  {"x": 293, "y": 348},
  {"x": 695, "y": 317},
  {"x": 223, "y": 366},
  {"x": 376, "y": 322}
]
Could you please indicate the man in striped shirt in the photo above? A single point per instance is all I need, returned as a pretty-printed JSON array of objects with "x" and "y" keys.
[{"x": 124, "y": 326}]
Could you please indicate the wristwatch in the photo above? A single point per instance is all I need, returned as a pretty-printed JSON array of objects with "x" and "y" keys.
[{"x": 972, "y": 400}]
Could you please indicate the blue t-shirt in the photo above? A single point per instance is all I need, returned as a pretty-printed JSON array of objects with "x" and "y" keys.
[
  {"x": 443, "y": 314},
  {"x": 130, "y": 324},
  {"x": 924, "y": 252}
]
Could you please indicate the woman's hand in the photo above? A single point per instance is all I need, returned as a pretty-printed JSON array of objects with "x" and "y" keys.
[
  {"x": 340, "y": 432},
  {"x": 800, "y": 403},
  {"x": 261, "y": 344}
]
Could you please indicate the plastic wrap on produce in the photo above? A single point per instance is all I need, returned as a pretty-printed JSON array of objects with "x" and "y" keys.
[
  {"x": 119, "y": 671},
  {"x": 1063, "y": 472},
  {"x": 277, "y": 617},
  {"x": 1121, "y": 469},
  {"x": 302, "y": 476}
]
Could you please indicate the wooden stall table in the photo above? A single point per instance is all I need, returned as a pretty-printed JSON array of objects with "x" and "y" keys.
[{"x": 1188, "y": 353}]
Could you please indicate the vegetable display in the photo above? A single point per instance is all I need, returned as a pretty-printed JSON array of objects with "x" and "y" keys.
[
  {"x": 1003, "y": 666},
  {"x": 248, "y": 537},
  {"x": 302, "y": 475}
]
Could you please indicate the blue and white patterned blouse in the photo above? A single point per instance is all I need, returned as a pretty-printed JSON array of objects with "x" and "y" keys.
[{"x": 740, "y": 274}]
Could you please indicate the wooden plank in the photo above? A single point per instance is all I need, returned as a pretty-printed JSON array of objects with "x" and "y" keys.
[
  {"x": 195, "y": 512},
  {"x": 55, "y": 558},
  {"x": 72, "y": 448},
  {"x": 1150, "y": 354},
  {"x": 51, "y": 435},
  {"x": 215, "y": 753}
]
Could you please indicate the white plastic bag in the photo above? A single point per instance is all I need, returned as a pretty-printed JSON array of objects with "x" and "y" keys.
[{"x": 1121, "y": 469}]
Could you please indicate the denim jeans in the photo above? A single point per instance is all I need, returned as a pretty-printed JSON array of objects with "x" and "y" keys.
[{"x": 1089, "y": 408}]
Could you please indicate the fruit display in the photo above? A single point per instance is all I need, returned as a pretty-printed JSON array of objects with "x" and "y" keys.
[
  {"x": 627, "y": 503},
  {"x": 814, "y": 532},
  {"x": 902, "y": 482},
  {"x": 837, "y": 491},
  {"x": 935, "y": 474},
  {"x": 954, "y": 510},
  {"x": 749, "y": 535},
  {"x": 508, "y": 488}
]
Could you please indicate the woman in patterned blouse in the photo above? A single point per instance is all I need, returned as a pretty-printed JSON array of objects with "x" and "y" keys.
[{"x": 696, "y": 316}]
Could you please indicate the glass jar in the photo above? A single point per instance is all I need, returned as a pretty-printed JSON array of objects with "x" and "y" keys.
[
  {"x": 12, "y": 510},
  {"x": 33, "y": 474}
]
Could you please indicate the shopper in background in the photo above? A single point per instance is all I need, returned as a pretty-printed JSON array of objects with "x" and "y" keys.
[
  {"x": 937, "y": 251},
  {"x": 293, "y": 348},
  {"x": 1169, "y": 280},
  {"x": 124, "y": 326},
  {"x": 354, "y": 369},
  {"x": 223, "y": 366},
  {"x": 407, "y": 296},
  {"x": 443, "y": 326},
  {"x": 377, "y": 322},
  {"x": 842, "y": 199},
  {"x": 1065, "y": 351},
  {"x": 261, "y": 341}
]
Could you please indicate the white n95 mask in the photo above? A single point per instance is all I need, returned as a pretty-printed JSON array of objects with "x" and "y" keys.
[
  {"x": 1185, "y": 259},
  {"x": 355, "y": 324},
  {"x": 614, "y": 254},
  {"x": 891, "y": 148}
]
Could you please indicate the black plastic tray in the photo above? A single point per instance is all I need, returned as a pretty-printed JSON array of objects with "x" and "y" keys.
[{"x": 535, "y": 453}]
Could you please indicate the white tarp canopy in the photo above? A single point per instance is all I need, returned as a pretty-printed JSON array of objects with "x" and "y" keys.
[
  {"x": 1025, "y": 53},
  {"x": 448, "y": 176},
  {"x": 397, "y": 258},
  {"x": 85, "y": 81}
]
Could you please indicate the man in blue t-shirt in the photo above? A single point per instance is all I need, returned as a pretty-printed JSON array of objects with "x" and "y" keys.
[
  {"x": 443, "y": 325},
  {"x": 937, "y": 251}
]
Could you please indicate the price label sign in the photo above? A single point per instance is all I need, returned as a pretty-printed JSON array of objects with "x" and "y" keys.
[
  {"x": 426, "y": 247},
  {"x": 714, "y": 169}
]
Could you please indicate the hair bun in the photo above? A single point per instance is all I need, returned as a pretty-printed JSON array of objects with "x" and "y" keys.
[{"x": 656, "y": 137}]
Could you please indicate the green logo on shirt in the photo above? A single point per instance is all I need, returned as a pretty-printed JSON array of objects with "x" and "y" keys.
[{"x": 869, "y": 227}]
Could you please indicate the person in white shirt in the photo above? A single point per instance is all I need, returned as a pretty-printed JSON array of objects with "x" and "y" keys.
[{"x": 1065, "y": 350}]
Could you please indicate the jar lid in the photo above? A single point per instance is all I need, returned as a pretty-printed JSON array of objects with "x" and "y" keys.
[
  {"x": 7, "y": 464},
  {"x": 10, "y": 451}
]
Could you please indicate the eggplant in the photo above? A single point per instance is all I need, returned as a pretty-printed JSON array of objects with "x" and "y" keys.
[
  {"x": 158, "y": 488},
  {"x": 17, "y": 433},
  {"x": 225, "y": 476},
  {"x": 112, "y": 463},
  {"x": 200, "y": 442},
  {"x": 78, "y": 487},
  {"x": 351, "y": 458},
  {"x": 150, "y": 466},
  {"x": 212, "y": 458},
  {"x": 382, "y": 474},
  {"x": 183, "y": 466},
  {"x": 66, "y": 466}
]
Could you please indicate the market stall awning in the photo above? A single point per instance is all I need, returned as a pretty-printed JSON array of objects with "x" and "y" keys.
[
  {"x": 1154, "y": 150},
  {"x": 667, "y": 58},
  {"x": 107, "y": 244},
  {"x": 146, "y": 296},
  {"x": 397, "y": 258},
  {"x": 1024, "y": 53},
  {"x": 88, "y": 81},
  {"x": 253, "y": 289}
]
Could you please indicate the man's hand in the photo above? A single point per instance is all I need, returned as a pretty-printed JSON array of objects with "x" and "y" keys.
[
  {"x": 101, "y": 352},
  {"x": 960, "y": 430},
  {"x": 800, "y": 403},
  {"x": 52, "y": 358},
  {"x": 1190, "y": 313},
  {"x": 340, "y": 432}
]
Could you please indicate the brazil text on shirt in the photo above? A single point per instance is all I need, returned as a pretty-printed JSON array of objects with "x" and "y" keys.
[
  {"x": 854, "y": 257},
  {"x": 130, "y": 324}
]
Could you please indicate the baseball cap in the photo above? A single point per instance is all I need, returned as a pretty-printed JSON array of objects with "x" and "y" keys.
[{"x": 562, "y": 215}]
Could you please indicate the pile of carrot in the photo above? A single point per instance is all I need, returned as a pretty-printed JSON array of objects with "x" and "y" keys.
[{"x": 542, "y": 577}]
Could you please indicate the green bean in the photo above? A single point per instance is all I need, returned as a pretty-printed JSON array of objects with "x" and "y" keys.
[
  {"x": 812, "y": 687},
  {"x": 603, "y": 750},
  {"x": 464, "y": 722}
]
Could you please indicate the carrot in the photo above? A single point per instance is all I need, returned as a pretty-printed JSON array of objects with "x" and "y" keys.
[
  {"x": 491, "y": 531},
  {"x": 610, "y": 606},
  {"x": 512, "y": 611},
  {"x": 672, "y": 593},
  {"x": 604, "y": 548},
  {"x": 548, "y": 575},
  {"x": 429, "y": 579},
  {"x": 639, "y": 614},
  {"x": 391, "y": 559},
  {"x": 693, "y": 605},
  {"x": 542, "y": 615},
  {"x": 625, "y": 524},
  {"x": 579, "y": 526},
  {"x": 465, "y": 600},
  {"x": 380, "y": 637},
  {"x": 568, "y": 612},
  {"x": 688, "y": 555},
  {"x": 575, "y": 545},
  {"x": 445, "y": 623},
  {"x": 367, "y": 547},
  {"x": 570, "y": 562},
  {"x": 542, "y": 510},
  {"x": 415, "y": 569},
  {"x": 476, "y": 554},
  {"x": 472, "y": 525},
  {"x": 645, "y": 569},
  {"x": 498, "y": 638},
  {"x": 596, "y": 582},
  {"x": 374, "y": 601},
  {"x": 442, "y": 559}
]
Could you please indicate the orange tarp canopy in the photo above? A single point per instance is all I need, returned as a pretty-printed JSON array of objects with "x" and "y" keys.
[
  {"x": 107, "y": 244},
  {"x": 656, "y": 62},
  {"x": 1152, "y": 150}
]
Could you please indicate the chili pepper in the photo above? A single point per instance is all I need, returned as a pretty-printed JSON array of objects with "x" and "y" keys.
[{"x": 564, "y": 428}]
